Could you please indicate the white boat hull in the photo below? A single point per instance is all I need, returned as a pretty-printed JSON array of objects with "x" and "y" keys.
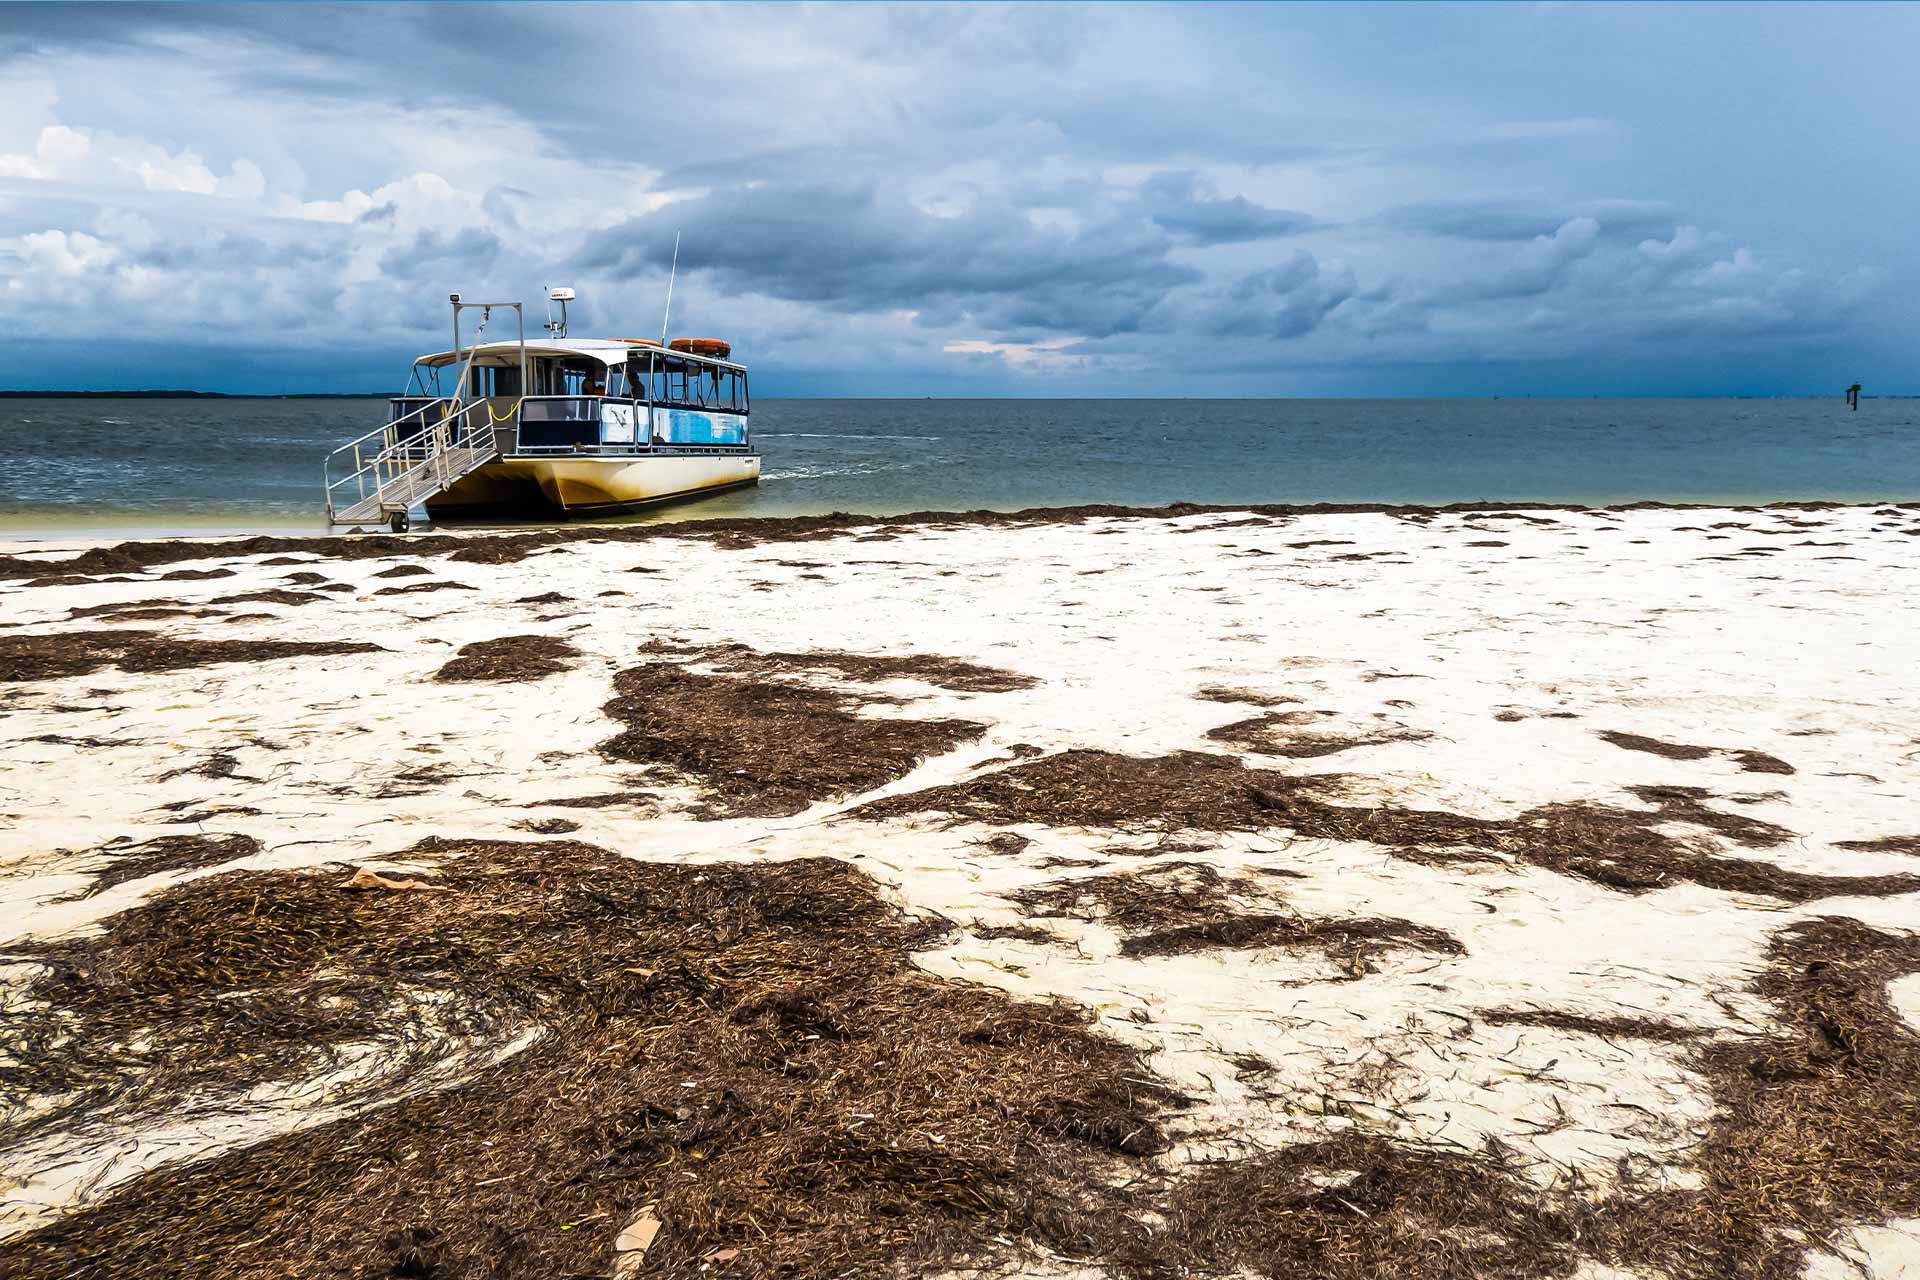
[{"x": 593, "y": 486}]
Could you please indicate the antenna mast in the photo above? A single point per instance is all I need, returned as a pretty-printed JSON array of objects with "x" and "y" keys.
[{"x": 668, "y": 310}]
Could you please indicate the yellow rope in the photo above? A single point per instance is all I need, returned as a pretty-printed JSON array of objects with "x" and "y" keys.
[{"x": 510, "y": 412}]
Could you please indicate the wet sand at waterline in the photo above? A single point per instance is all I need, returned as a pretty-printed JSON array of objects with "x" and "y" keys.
[{"x": 1397, "y": 892}]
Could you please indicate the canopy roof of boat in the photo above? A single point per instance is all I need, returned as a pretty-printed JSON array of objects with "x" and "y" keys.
[{"x": 604, "y": 350}]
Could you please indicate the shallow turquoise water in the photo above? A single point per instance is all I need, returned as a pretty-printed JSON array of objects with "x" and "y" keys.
[{"x": 77, "y": 466}]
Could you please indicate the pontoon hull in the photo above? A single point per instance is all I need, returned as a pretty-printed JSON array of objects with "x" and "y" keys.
[{"x": 592, "y": 486}]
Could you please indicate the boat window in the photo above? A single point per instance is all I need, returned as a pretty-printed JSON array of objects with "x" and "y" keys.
[
  {"x": 690, "y": 385},
  {"x": 490, "y": 380},
  {"x": 568, "y": 377}
]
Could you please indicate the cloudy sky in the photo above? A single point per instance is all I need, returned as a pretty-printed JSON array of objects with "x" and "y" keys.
[{"x": 975, "y": 200}]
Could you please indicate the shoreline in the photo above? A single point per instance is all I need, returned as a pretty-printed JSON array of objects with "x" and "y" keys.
[
  {"x": 129, "y": 554},
  {"x": 1469, "y": 857}
]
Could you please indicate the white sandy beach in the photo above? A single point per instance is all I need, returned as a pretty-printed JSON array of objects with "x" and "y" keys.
[{"x": 1473, "y": 660}]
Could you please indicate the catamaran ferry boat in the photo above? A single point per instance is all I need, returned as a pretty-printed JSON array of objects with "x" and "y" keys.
[{"x": 555, "y": 427}]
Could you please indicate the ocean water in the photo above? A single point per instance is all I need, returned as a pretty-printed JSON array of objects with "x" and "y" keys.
[{"x": 70, "y": 467}]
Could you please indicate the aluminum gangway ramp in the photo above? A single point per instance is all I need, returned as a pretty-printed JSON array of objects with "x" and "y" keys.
[{"x": 391, "y": 470}]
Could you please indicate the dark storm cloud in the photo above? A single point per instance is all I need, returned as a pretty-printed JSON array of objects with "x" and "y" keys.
[
  {"x": 1180, "y": 203},
  {"x": 854, "y": 247},
  {"x": 471, "y": 247},
  {"x": 1284, "y": 302},
  {"x": 1513, "y": 220}
]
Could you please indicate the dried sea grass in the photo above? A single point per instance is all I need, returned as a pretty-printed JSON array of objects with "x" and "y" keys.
[
  {"x": 1884, "y": 844},
  {"x": 731, "y": 532},
  {"x": 1624, "y": 849},
  {"x": 952, "y": 674},
  {"x": 1173, "y": 908},
  {"x": 122, "y": 862},
  {"x": 1654, "y": 746},
  {"x": 515, "y": 658},
  {"x": 765, "y": 748},
  {"x": 743, "y": 1048},
  {"x": 1273, "y": 734},
  {"x": 1816, "y": 1126},
  {"x": 1359, "y": 1207},
  {"x": 1611, "y": 1027},
  {"x": 56, "y": 655}
]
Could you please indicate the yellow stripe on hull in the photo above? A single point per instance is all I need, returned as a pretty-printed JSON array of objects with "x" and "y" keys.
[{"x": 592, "y": 486}]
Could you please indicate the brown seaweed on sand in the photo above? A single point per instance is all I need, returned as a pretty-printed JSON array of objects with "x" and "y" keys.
[
  {"x": 1654, "y": 746},
  {"x": 273, "y": 595},
  {"x": 952, "y": 674},
  {"x": 548, "y": 826},
  {"x": 1223, "y": 693},
  {"x": 1885, "y": 844},
  {"x": 137, "y": 610},
  {"x": 510, "y": 548},
  {"x": 55, "y": 655},
  {"x": 742, "y": 1051},
  {"x": 1359, "y": 1207},
  {"x": 1814, "y": 1132},
  {"x": 124, "y": 861},
  {"x": 1624, "y": 849},
  {"x": 765, "y": 748},
  {"x": 1272, "y": 734},
  {"x": 524, "y": 657},
  {"x": 416, "y": 588},
  {"x": 1749, "y": 761},
  {"x": 1177, "y": 907},
  {"x": 1815, "y": 1127},
  {"x": 1760, "y": 762},
  {"x": 1610, "y": 1027}
]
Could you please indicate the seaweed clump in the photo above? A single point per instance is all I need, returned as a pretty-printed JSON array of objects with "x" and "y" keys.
[
  {"x": 1749, "y": 761},
  {"x": 953, "y": 674},
  {"x": 508, "y": 658},
  {"x": 1884, "y": 844},
  {"x": 58, "y": 654},
  {"x": 1271, "y": 734},
  {"x": 121, "y": 862},
  {"x": 1359, "y": 1207},
  {"x": 1815, "y": 1127},
  {"x": 1609, "y": 1027},
  {"x": 1174, "y": 908},
  {"x": 765, "y": 748},
  {"x": 740, "y": 1053},
  {"x": 1623, "y": 849},
  {"x": 1654, "y": 746}
]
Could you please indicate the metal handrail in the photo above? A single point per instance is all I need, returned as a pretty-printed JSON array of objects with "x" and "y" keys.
[
  {"x": 401, "y": 460},
  {"x": 389, "y": 437}
]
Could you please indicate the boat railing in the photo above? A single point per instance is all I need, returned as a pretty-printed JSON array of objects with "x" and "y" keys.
[{"x": 389, "y": 463}]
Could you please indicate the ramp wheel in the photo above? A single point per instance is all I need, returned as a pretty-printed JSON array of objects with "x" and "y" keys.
[{"x": 400, "y": 521}]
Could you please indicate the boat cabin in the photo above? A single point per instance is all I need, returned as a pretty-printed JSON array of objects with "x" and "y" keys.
[{"x": 586, "y": 395}]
